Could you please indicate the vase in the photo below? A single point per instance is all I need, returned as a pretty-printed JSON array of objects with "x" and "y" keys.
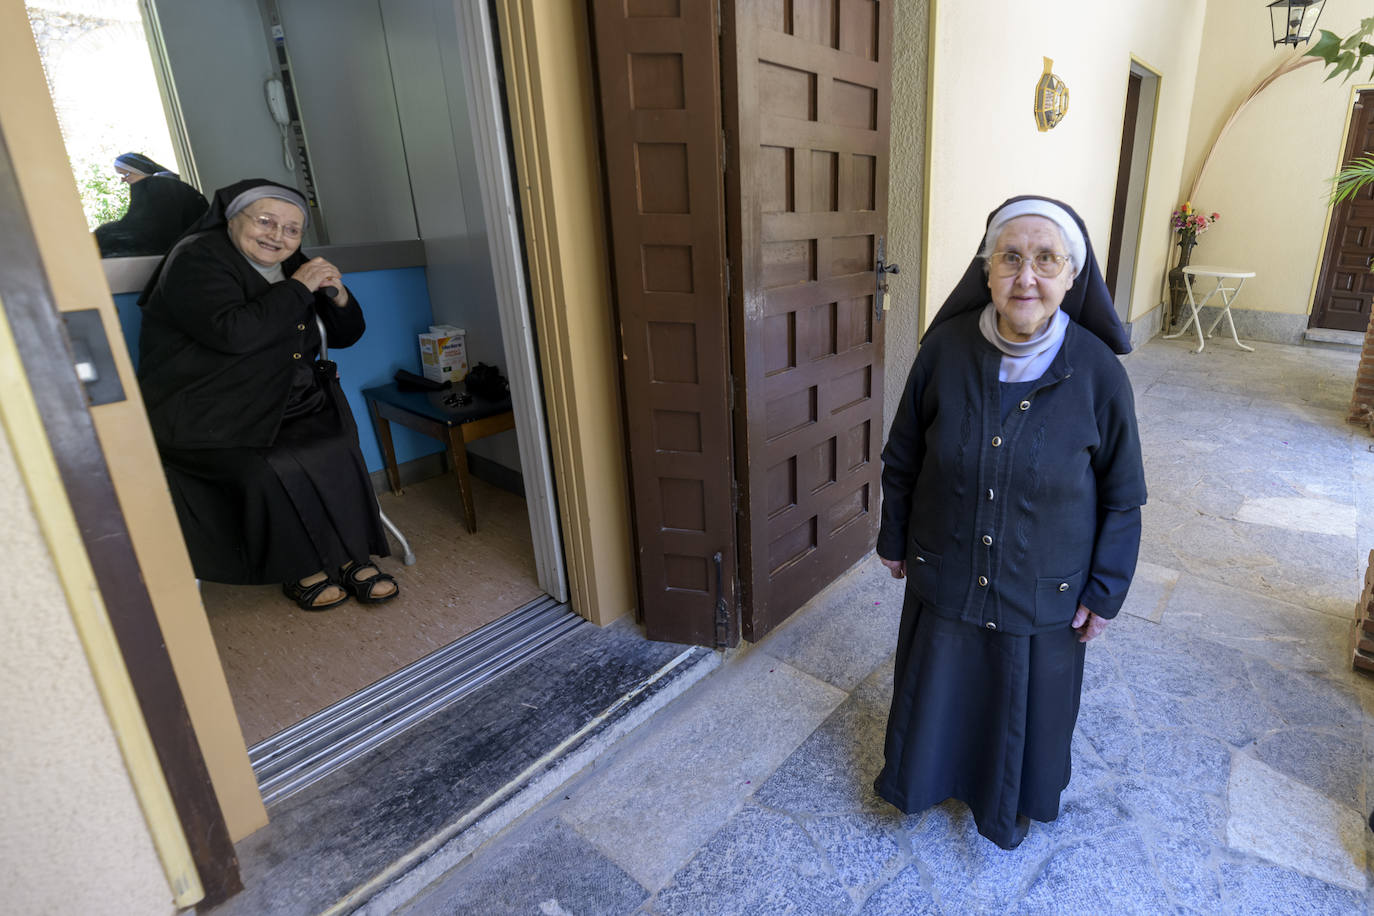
[{"x": 1178, "y": 290}]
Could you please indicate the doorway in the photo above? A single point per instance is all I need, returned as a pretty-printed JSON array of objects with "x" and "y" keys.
[
  {"x": 1132, "y": 174},
  {"x": 1345, "y": 285},
  {"x": 461, "y": 266}
]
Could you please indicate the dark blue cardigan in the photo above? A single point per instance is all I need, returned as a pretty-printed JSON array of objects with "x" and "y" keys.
[{"x": 1011, "y": 526}]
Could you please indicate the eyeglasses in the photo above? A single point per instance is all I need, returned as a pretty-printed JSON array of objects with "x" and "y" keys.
[
  {"x": 1046, "y": 264},
  {"x": 269, "y": 225}
]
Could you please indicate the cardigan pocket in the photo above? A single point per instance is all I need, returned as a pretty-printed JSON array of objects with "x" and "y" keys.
[
  {"x": 1056, "y": 598},
  {"x": 923, "y": 569}
]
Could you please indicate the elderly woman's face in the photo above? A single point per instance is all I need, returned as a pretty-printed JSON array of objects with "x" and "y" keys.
[
  {"x": 1025, "y": 301},
  {"x": 267, "y": 231}
]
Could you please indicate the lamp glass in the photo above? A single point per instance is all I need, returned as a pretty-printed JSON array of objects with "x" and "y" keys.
[{"x": 1294, "y": 21}]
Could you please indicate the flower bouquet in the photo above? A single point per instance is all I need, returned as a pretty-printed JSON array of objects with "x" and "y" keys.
[{"x": 1190, "y": 223}]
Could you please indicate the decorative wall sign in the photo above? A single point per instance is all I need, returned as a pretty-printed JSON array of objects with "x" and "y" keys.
[{"x": 1051, "y": 99}]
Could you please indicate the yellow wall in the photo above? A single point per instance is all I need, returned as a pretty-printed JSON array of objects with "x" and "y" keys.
[
  {"x": 1268, "y": 176},
  {"x": 550, "y": 94},
  {"x": 73, "y": 837},
  {"x": 905, "y": 195},
  {"x": 984, "y": 143},
  {"x": 45, "y": 180}
]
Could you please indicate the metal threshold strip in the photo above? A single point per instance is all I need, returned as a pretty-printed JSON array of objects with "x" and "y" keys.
[{"x": 327, "y": 740}]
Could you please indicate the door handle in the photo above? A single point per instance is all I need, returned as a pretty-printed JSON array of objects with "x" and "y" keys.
[{"x": 880, "y": 272}]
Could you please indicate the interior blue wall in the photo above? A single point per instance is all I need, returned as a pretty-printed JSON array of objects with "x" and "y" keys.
[{"x": 396, "y": 305}]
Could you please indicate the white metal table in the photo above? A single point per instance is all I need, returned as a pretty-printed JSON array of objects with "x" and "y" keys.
[{"x": 1228, "y": 295}]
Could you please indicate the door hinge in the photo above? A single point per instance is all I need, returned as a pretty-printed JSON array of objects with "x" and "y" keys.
[
  {"x": 727, "y": 279},
  {"x": 734, "y": 496},
  {"x": 724, "y": 151},
  {"x": 729, "y": 392}
]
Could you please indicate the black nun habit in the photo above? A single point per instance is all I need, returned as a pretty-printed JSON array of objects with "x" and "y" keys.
[
  {"x": 258, "y": 443},
  {"x": 1011, "y": 503},
  {"x": 161, "y": 208}
]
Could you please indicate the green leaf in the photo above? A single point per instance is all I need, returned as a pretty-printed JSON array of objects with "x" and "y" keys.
[{"x": 1327, "y": 47}]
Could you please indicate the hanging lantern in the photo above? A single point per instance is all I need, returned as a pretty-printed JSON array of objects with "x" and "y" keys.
[{"x": 1294, "y": 21}]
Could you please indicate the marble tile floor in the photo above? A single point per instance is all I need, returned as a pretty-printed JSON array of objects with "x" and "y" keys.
[{"x": 1222, "y": 758}]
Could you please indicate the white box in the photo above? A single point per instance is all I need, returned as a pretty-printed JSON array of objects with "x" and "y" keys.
[{"x": 444, "y": 353}]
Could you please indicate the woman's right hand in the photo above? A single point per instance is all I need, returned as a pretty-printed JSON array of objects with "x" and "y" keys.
[{"x": 896, "y": 567}]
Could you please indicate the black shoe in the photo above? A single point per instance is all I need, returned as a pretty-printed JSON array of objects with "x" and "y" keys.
[{"x": 1018, "y": 833}]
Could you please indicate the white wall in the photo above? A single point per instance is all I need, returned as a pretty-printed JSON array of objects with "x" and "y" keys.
[
  {"x": 431, "y": 95},
  {"x": 985, "y": 146},
  {"x": 1268, "y": 177},
  {"x": 218, "y": 54}
]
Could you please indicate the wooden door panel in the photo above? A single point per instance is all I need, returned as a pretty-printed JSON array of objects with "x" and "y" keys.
[
  {"x": 658, "y": 75},
  {"x": 807, "y": 100},
  {"x": 1345, "y": 289}
]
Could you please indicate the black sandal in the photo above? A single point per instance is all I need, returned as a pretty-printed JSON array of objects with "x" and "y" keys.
[
  {"x": 305, "y": 595},
  {"x": 362, "y": 588}
]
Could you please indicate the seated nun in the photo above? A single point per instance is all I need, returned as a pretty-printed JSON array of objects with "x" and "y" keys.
[
  {"x": 161, "y": 208},
  {"x": 257, "y": 441}
]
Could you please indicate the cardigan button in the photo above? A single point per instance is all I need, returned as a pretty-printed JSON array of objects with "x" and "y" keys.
[
  {"x": 983, "y": 581},
  {"x": 1063, "y": 586},
  {"x": 996, "y": 441},
  {"x": 300, "y": 327},
  {"x": 1025, "y": 405},
  {"x": 295, "y": 356},
  {"x": 990, "y": 625},
  {"x": 989, "y": 495},
  {"x": 987, "y": 540}
]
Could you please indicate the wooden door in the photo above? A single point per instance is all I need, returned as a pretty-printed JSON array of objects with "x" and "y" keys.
[
  {"x": 1345, "y": 288},
  {"x": 806, "y": 106},
  {"x": 659, "y": 87},
  {"x": 1123, "y": 177}
]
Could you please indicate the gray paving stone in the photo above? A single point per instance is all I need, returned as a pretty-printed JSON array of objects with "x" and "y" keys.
[
  {"x": 1263, "y": 890},
  {"x": 759, "y": 862},
  {"x": 1174, "y": 809},
  {"x": 1106, "y": 720},
  {"x": 1108, "y": 874},
  {"x": 1328, "y": 763},
  {"x": 1215, "y": 715},
  {"x": 904, "y": 895},
  {"x": 1186, "y": 757},
  {"x": 547, "y": 869},
  {"x": 1304, "y": 699},
  {"x": 1285, "y": 633},
  {"x": 846, "y": 631},
  {"x": 832, "y": 772},
  {"x": 1186, "y": 867},
  {"x": 693, "y": 770},
  {"x": 861, "y": 848},
  {"x": 968, "y": 873},
  {"x": 1279, "y": 819},
  {"x": 1087, "y": 815}
]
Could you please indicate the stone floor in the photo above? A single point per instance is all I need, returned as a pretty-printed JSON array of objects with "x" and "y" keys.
[{"x": 1222, "y": 756}]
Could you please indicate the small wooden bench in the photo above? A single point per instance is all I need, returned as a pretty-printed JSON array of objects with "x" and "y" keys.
[{"x": 437, "y": 414}]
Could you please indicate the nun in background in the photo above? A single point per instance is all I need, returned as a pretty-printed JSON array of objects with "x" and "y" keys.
[
  {"x": 1012, "y": 487},
  {"x": 258, "y": 443},
  {"x": 161, "y": 208}
]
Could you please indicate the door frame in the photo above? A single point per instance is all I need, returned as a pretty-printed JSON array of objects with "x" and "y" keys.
[
  {"x": 1328, "y": 222},
  {"x": 1127, "y": 248}
]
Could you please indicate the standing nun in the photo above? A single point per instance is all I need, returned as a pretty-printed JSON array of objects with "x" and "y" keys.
[{"x": 1012, "y": 487}]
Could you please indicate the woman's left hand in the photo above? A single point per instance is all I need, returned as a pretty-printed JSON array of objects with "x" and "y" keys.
[{"x": 1087, "y": 624}]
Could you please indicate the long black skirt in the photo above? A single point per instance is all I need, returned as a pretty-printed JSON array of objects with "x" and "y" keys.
[
  {"x": 255, "y": 516},
  {"x": 981, "y": 716}
]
